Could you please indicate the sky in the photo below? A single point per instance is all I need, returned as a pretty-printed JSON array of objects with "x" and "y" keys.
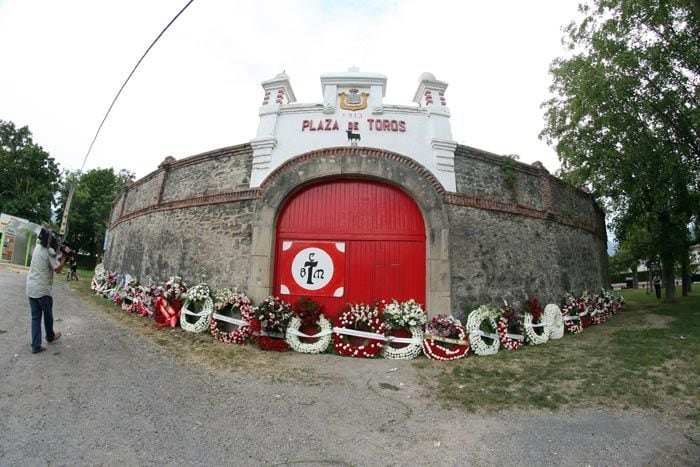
[{"x": 62, "y": 63}]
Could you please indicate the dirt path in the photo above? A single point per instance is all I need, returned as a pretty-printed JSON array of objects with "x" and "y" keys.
[{"x": 104, "y": 395}]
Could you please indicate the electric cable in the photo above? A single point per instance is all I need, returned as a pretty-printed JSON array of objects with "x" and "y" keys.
[{"x": 127, "y": 80}]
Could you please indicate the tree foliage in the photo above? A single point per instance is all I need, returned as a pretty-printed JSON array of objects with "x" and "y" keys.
[
  {"x": 29, "y": 177},
  {"x": 624, "y": 116},
  {"x": 92, "y": 202}
]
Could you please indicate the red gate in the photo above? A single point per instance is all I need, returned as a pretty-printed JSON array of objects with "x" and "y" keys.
[{"x": 349, "y": 241}]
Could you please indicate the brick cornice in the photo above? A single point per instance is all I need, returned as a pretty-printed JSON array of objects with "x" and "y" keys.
[
  {"x": 488, "y": 204},
  {"x": 194, "y": 201}
]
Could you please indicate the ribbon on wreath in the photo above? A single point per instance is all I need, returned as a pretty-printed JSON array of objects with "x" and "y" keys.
[
  {"x": 446, "y": 340},
  {"x": 356, "y": 333},
  {"x": 230, "y": 320},
  {"x": 167, "y": 314},
  {"x": 296, "y": 332}
]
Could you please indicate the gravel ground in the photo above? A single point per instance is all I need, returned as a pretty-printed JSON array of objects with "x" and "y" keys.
[{"x": 103, "y": 395}]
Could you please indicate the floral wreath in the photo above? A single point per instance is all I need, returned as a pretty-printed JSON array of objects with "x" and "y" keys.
[
  {"x": 224, "y": 311},
  {"x": 270, "y": 322},
  {"x": 198, "y": 297},
  {"x": 357, "y": 320},
  {"x": 147, "y": 295},
  {"x": 596, "y": 308},
  {"x": 510, "y": 328},
  {"x": 533, "y": 319},
  {"x": 405, "y": 317},
  {"x": 306, "y": 313},
  {"x": 130, "y": 299},
  {"x": 584, "y": 311},
  {"x": 570, "y": 316},
  {"x": 483, "y": 317},
  {"x": 554, "y": 320},
  {"x": 445, "y": 339}
]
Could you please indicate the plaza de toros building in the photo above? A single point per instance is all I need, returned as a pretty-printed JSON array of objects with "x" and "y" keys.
[{"x": 353, "y": 200}]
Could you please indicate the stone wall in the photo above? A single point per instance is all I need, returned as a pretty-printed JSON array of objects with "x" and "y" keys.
[
  {"x": 496, "y": 256},
  {"x": 538, "y": 236},
  {"x": 166, "y": 224},
  {"x": 203, "y": 242},
  {"x": 489, "y": 240}
]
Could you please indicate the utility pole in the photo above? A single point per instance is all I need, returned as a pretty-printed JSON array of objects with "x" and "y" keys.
[{"x": 66, "y": 210}]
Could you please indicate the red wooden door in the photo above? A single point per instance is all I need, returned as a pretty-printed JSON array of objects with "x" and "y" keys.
[{"x": 379, "y": 226}]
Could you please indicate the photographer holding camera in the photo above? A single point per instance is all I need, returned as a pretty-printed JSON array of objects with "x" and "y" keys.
[{"x": 49, "y": 256}]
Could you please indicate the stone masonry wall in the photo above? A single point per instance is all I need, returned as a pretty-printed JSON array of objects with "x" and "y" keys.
[
  {"x": 538, "y": 237},
  {"x": 205, "y": 242},
  {"x": 167, "y": 228},
  {"x": 196, "y": 217},
  {"x": 221, "y": 171},
  {"x": 496, "y": 256},
  {"x": 479, "y": 173}
]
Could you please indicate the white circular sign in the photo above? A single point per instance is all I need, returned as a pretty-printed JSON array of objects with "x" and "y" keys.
[{"x": 312, "y": 268}]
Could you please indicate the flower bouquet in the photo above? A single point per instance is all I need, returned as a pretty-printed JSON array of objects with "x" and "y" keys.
[{"x": 271, "y": 319}]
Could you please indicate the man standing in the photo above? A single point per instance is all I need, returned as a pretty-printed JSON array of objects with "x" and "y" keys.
[
  {"x": 657, "y": 285},
  {"x": 45, "y": 261}
]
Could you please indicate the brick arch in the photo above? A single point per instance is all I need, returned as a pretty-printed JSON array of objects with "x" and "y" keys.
[
  {"x": 355, "y": 151},
  {"x": 374, "y": 164}
]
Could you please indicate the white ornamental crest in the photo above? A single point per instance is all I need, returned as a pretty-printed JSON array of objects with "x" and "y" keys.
[{"x": 312, "y": 268}]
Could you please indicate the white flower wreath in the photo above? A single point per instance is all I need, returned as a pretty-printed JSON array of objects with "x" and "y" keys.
[
  {"x": 324, "y": 336},
  {"x": 405, "y": 315},
  {"x": 408, "y": 352},
  {"x": 554, "y": 320},
  {"x": 532, "y": 337},
  {"x": 476, "y": 335},
  {"x": 203, "y": 316},
  {"x": 197, "y": 295}
]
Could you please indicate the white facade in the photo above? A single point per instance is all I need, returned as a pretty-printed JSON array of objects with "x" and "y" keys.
[{"x": 353, "y": 113}]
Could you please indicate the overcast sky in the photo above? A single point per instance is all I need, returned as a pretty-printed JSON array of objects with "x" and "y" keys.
[{"x": 62, "y": 62}]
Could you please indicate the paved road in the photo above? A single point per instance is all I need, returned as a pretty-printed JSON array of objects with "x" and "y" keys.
[{"x": 105, "y": 396}]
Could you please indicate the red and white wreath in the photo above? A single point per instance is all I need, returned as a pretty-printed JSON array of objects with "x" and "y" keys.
[
  {"x": 363, "y": 322},
  {"x": 570, "y": 315},
  {"x": 510, "y": 326},
  {"x": 225, "y": 311},
  {"x": 445, "y": 339}
]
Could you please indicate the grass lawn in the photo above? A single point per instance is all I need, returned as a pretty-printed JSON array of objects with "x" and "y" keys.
[{"x": 647, "y": 356}]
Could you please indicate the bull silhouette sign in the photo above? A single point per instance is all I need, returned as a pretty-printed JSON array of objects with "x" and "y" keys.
[
  {"x": 354, "y": 138},
  {"x": 312, "y": 268}
]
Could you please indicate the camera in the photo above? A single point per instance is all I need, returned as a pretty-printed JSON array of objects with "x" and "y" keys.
[{"x": 50, "y": 239}]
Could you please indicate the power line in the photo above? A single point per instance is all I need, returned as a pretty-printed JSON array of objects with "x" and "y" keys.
[
  {"x": 69, "y": 198},
  {"x": 127, "y": 80}
]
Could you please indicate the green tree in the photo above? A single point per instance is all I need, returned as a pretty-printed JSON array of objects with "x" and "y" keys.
[
  {"x": 29, "y": 177},
  {"x": 624, "y": 116},
  {"x": 92, "y": 202}
]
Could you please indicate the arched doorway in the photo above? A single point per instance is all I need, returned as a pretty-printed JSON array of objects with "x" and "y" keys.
[{"x": 371, "y": 234}]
